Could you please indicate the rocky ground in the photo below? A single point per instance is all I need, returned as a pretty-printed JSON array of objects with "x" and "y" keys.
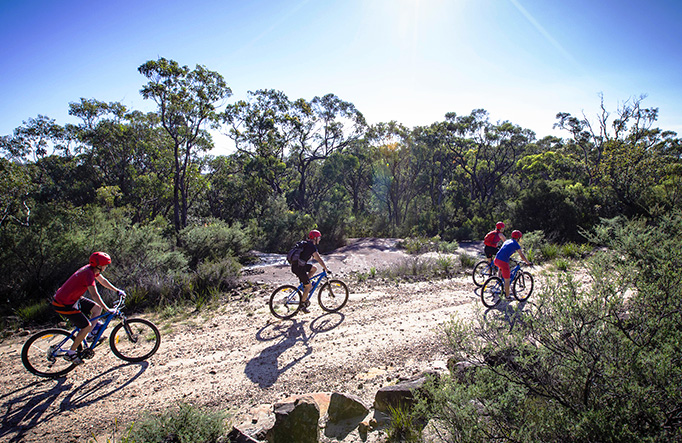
[{"x": 238, "y": 355}]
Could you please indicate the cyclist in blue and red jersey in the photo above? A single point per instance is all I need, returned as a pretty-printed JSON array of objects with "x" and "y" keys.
[
  {"x": 493, "y": 240},
  {"x": 304, "y": 270},
  {"x": 70, "y": 300},
  {"x": 504, "y": 255}
]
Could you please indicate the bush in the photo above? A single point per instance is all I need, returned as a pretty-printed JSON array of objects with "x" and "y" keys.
[
  {"x": 595, "y": 363},
  {"x": 213, "y": 240},
  {"x": 184, "y": 424}
]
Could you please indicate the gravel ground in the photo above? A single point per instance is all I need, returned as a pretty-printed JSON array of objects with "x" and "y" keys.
[{"x": 238, "y": 355}]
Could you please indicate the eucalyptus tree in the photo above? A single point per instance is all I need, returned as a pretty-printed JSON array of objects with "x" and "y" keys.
[
  {"x": 132, "y": 153},
  {"x": 353, "y": 170},
  {"x": 483, "y": 152},
  {"x": 261, "y": 128},
  {"x": 629, "y": 160},
  {"x": 318, "y": 129},
  {"x": 187, "y": 103},
  {"x": 398, "y": 180}
]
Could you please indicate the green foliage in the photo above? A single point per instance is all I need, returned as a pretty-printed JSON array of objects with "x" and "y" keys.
[
  {"x": 280, "y": 228},
  {"x": 184, "y": 424},
  {"x": 213, "y": 240},
  {"x": 36, "y": 313},
  {"x": 584, "y": 363},
  {"x": 216, "y": 275},
  {"x": 549, "y": 251},
  {"x": 402, "y": 427},
  {"x": 468, "y": 260}
]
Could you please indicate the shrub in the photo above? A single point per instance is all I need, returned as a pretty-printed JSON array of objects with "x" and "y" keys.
[
  {"x": 184, "y": 424},
  {"x": 468, "y": 260},
  {"x": 213, "y": 240},
  {"x": 36, "y": 313},
  {"x": 549, "y": 251},
  {"x": 402, "y": 427},
  {"x": 583, "y": 363}
]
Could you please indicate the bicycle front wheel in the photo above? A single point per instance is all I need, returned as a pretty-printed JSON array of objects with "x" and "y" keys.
[
  {"x": 285, "y": 301},
  {"x": 42, "y": 353},
  {"x": 333, "y": 295},
  {"x": 482, "y": 272},
  {"x": 135, "y": 339},
  {"x": 492, "y": 292},
  {"x": 523, "y": 286}
]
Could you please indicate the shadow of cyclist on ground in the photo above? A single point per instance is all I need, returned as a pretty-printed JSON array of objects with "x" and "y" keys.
[
  {"x": 266, "y": 368},
  {"x": 30, "y": 409},
  {"x": 103, "y": 385}
]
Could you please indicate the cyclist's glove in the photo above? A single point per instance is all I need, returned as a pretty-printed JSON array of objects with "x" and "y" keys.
[{"x": 122, "y": 293}]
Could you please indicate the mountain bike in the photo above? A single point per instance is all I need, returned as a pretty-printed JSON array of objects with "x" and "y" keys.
[
  {"x": 483, "y": 271},
  {"x": 521, "y": 283},
  {"x": 132, "y": 340},
  {"x": 285, "y": 301}
]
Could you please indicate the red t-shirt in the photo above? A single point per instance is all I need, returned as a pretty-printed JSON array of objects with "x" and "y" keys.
[{"x": 74, "y": 288}]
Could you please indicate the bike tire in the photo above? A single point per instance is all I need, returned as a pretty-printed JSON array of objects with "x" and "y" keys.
[
  {"x": 523, "y": 286},
  {"x": 285, "y": 301},
  {"x": 38, "y": 358},
  {"x": 333, "y": 295},
  {"x": 135, "y": 339},
  {"x": 492, "y": 292},
  {"x": 482, "y": 272}
]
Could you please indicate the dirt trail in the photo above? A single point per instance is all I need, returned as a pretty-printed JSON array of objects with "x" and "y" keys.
[{"x": 241, "y": 356}]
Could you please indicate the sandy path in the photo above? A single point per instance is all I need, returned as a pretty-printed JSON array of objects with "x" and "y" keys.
[{"x": 241, "y": 356}]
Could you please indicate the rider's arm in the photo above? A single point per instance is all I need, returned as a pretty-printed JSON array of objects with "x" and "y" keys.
[
  {"x": 94, "y": 293},
  {"x": 104, "y": 282},
  {"x": 524, "y": 257},
  {"x": 317, "y": 257}
]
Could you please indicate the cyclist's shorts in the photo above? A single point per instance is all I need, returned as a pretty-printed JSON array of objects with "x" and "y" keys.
[
  {"x": 490, "y": 251},
  {"x": 504, "y": 268},
  {"x": 76, "y": 312},
  {"x": 302, "y": 272}
]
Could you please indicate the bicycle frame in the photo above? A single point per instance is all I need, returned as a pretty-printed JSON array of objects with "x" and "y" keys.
[
  {"x": 109, "y": 316},
  {"x": 315, "y": 280}
]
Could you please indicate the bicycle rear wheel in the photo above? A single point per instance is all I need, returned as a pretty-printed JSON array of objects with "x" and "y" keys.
[
  {"x": 492, "y": 292},
  {"x": 135, "y": 339},
  {"x": 482, "y": 272},
  {"x": 523, "y": 286},
  {"x": 42, "y": 353},
  {"x": 285, "y": 301},
  {"x": 333, "y": 295}
]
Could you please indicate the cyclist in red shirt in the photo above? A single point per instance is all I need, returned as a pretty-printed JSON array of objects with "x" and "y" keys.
[
  {"x": 493, "y": 240},
  {"x": 70, "y": 300}
]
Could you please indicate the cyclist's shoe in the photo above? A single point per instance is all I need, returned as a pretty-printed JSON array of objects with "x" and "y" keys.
[
  {"x": 304, "y": 306},
  {"x": 73, "y": 357}
]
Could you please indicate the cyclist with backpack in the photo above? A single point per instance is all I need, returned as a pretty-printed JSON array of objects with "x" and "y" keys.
[
  {"x": 70, "y": 300},
  {"x": 493, "y": 240},
  {"x": 299, "y": 256},
  {"x": 504, "y": 255}
]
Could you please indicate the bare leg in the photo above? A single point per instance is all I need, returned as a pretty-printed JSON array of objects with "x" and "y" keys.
[
  {"x": 506, "y": 287},
  {"x": 306, "y": 291},
  {"x": 94, "y": 312}
]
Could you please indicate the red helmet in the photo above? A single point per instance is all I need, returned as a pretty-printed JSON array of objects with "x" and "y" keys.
[
  {"x": 99, "y": 259},
  {"x": 517, "y": 234},
  {"x": 314, "y": 234},
  {"x": 499, "y": 225}
]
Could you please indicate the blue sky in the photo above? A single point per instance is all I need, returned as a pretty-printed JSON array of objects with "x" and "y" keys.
[{"x": 406, "y": 60}]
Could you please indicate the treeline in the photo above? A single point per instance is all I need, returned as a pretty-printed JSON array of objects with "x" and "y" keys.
[{"x": 177, "y": 220}]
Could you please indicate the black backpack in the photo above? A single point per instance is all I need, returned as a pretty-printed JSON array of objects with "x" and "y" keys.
[{"x": 295, "y": 252}]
